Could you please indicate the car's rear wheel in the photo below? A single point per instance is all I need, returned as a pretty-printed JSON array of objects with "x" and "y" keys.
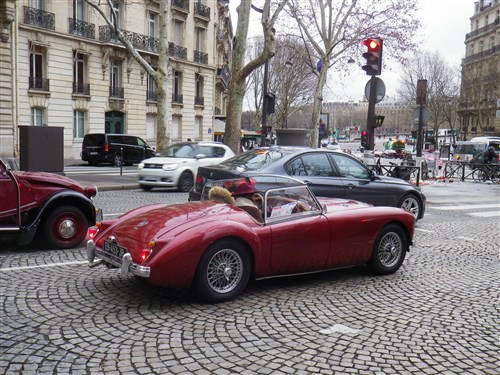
[
  {"x": 411, "y": 203},
  {"x": 117, "y": 160},
  {"x": 186, "y": 182},
  {"x": 389, "y": 250},
  {"x": 223, "y": 271},
  {"x": 65, "y": 227}
]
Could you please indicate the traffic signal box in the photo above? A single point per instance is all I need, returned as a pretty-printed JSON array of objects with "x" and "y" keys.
[
  {"x": 373, "y": 56},
  {"x": 365, "y": 142}
]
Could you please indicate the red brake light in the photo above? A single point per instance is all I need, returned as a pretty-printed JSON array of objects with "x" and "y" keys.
[
  {"x": 144, "y": 254},
  {"x": 106, "y": 147},
  {"x": 198, "y": 180},
  {"x": 92, "y": 232}
]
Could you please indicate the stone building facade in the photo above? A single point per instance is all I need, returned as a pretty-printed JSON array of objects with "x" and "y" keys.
[
  {"x": 480, "y": 88},
  {"x": 62, "y": 66}
]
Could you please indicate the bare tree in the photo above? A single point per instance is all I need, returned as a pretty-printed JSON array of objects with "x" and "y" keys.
[
  {"x": 160, "y": 75},
  {"x": 240, "y": 71},
  {"x": 334, "y": 28},
  {"x": 442, "y": 87}
]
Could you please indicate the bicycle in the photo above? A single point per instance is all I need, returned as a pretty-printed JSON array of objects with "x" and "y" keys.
[{"x": 487, "y": 172}]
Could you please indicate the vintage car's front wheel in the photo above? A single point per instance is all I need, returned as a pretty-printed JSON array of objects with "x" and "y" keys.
[
  {"x": 389, "y": 250},
  {"x": 65, "y": 227},
  {"x": 223, "y": 271}
]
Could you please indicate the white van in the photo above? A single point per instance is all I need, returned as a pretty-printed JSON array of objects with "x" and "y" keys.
[{"x": 475, "y": 148}]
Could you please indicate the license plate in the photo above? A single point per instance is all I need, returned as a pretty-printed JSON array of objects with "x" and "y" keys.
[
  {"x": 92, "y": 153},
  {"x": 114, "y": 249}
]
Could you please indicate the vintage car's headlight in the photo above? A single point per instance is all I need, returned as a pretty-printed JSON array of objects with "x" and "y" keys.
[
  {"x": 169, "y": 167},
  {"x": 140, "y": 166}
]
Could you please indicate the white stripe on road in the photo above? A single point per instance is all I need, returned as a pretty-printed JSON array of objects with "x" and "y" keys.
[
  {"x": 423, "y": 230},
  {"x": 42, "y": 266},
  {"x": 465, "y": 207},
  {"x": 485, "y": 214},
  {"x": 469, "y": 239}
]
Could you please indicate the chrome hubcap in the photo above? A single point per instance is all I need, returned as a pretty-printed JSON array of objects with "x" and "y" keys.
[{"x": 67, "y": 229}]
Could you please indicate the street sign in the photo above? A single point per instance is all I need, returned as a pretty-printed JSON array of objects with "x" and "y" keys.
[
  {"x": 426, "y": 115},
  {"x": 380, "y": 92}
]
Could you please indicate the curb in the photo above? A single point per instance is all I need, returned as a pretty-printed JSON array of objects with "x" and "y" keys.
[{"x": 117, "y": 187}]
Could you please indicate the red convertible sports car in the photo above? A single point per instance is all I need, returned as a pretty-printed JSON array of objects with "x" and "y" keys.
[{"x": 246, "y": 228}]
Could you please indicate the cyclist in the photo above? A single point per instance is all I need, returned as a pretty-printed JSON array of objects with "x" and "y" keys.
[{"x": 490, "y": 155}]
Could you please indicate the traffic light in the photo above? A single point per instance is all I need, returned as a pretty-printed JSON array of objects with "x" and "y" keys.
[
  {"x": 373, "y": 56},
  {"x": 364, "y": 138},
  {"x": 270, "y": 103},
  {"x": 378, "y": 121}
]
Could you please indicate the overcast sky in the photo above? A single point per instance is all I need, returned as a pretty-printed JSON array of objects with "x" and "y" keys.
[{"x": 445, "y": 23}]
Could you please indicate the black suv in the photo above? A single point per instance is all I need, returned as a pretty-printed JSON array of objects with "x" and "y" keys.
[{"x": 115, "y": 149}]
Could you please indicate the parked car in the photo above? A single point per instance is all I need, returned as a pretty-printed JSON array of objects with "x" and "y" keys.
[
  {"x": 178, "y": 164},
  {"x": 250, "y": 228},
  {"x": 54, "y": 207},
  {"x": 328, "y": 173},
  {"x": 115, "y": 149}
]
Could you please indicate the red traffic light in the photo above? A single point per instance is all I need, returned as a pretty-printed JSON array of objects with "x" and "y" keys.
[
  {"x": 372, "y": 44},
  {"x": 373, "y": 56},
  {"x": 364, "y": 133}
]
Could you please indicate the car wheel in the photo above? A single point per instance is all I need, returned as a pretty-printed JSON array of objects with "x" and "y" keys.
[
  {"x": 389, "y": 250},
  {"x": 146, "y": 187},
  {"x": 186, "y": 182},
  {"x": 410, "y": 203},
  {"x": 223, "y": 272},
  {"x": 117, "y": 160},
  {"x": 65, "y": 227}
]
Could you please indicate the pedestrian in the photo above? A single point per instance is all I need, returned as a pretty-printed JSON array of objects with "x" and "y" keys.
[{"x": 490, "y": 155}]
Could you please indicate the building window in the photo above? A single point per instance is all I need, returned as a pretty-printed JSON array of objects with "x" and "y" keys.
[
  {"x": 115, "y": 79},
  {"x": 177, "y": 89},
  {"x": 38, "y": 4},
  {"x": 178, "y": 32},
  {"x": 176, "y": 128},
  {"x": 150, "y": 127},
  {"x": 152, "y": 24},
  {"x": 151, "y": 89},
  {"x": 198, "y": 127},
  {"x": 37, "y": 116},
  {"x": 200, "y": 39},
  {"x": 80, "y": 10},
  {"x": 199, "y": 100},
  {"x": 78, "y": 124},
  {"x": 115, "y": 14},
  {"x": 80, "y": 85},
  {"x": 37, "y": 68}
]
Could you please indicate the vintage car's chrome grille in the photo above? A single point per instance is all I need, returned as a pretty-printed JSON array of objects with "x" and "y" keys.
[{"x": 153, "y": 166}]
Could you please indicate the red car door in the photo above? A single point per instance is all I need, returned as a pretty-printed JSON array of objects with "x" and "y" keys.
[
  {"x": 300, "y": 244},
  {"x": 8, "y": 197}
]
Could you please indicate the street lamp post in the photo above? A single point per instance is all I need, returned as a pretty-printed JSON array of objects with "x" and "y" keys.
[{"x": 264, "y": 104}]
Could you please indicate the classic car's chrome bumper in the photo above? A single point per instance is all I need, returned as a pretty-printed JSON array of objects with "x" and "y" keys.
[{"x": 126, "y": 264}]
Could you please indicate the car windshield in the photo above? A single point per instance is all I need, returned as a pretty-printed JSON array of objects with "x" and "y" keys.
[
  {"x": 254, "y": 159},
  {"x": 179, "y": 150}
]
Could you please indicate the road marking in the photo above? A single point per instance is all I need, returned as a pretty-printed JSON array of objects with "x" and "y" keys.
[
  {"x": 466, "y": 207},
  {"x": 424, "y": 230},
  {"x": 339, "y": 328},
  {"x": 42, "y": 266},
  {"x": 485, "y": 214}
]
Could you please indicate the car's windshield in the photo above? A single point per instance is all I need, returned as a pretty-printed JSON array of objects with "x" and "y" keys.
[
  {"x": 253, "y": 160},
  {"x": 180, "y": 150}
]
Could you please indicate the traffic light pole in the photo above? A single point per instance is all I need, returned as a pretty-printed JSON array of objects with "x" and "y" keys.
[{"x": 370, "y": 121}]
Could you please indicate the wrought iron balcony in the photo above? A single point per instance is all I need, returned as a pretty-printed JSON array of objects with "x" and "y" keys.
[
  {"x": 199, "y": 100},
  {"x": 483, "y": 29},
  {"x": 181, "y": 5},
  {"x": 482, "y": 54},
  {"x": 116, "y": 92},
  {"x": 140, "y": 41},
  {"x": 201, "y": 57},
  {"x": 40, "y": 84},
  {"x": 38, "y": 17},
  {"x": 223, "y": 74},
  {"x": 177, "y": 51},
  {"x": 151, "y": 95},
  {"x": 201, "y": 10},
  {"x": 81, "y": 88},
  {"x": 81, "y": 28},
  {"x": 177, "y": 98}
]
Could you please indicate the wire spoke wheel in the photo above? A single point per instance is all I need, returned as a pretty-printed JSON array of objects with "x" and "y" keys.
[
  {"x": 224, "y": 271},
  {"x": 390, "y": 249}
]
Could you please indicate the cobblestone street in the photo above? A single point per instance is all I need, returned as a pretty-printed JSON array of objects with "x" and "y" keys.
[{"x": 437, "y": 315}]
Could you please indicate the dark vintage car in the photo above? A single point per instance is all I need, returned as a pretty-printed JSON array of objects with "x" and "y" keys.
[
  {"x": 328, "y": 173},
  {"x": 250, "y": 228},
  {"x": 54, "y": 207}
]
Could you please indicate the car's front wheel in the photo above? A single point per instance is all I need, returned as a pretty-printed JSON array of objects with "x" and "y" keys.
[
  {"x": 410, "y": 203},
  {"x": 389, "y": 250},
  {"x": 223, "y": 272},
  {"x": 65, "y": 227},
  {"x": 146, "y": 187},
  {"x": 186, "y": 182}
]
